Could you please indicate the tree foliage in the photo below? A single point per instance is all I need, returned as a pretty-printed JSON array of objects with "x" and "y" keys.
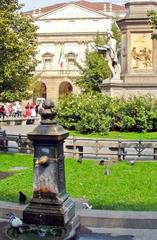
[
  {"x": 17, "y": 52},
  {"x": 95, "y": 68},
  {"x": 94, "y": 71},
  {"x": 153, "y": 21},
  {"x": 116, "y": 33},
  {"x": 85, "y": 113}
]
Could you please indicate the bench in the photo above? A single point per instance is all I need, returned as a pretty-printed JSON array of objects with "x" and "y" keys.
[{"x": 19, "y": 121}]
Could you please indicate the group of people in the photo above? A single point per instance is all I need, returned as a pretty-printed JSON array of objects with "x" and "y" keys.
[{"x": 17, "y": 109}]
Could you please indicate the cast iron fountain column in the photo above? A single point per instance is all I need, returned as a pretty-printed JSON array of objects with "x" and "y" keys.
[{"x": 50, "y": 204}]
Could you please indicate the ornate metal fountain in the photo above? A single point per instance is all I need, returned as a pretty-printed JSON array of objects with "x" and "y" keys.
[{"x": 50, "y": 209}]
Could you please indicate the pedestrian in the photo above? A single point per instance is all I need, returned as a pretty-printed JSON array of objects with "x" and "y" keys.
[{"x": 2, "y": 112}]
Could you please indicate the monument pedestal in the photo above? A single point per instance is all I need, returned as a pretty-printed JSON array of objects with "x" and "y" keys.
[
  {"x": 138, "y": 53},
  {"x": 112, "y": 87},
  {"x": 131, "y": 85}
]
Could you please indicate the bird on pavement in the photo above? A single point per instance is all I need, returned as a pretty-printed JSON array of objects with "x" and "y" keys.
[
  {"x": 22, "y": 198},
  {"x": 14, "y": 221}
]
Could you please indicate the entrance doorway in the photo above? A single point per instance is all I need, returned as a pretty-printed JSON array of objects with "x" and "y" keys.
[
  {"x": 40, "y": 91},
  {"x": 65, "y": 88}
]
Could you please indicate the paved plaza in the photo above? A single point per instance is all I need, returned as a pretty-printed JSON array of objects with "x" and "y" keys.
[
  {"x": 102, "y": 233},
  {"x": 19, "y": 129}
]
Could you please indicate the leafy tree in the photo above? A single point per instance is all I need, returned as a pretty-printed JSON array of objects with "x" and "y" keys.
[
  {"x": 153, "y": 21},
  {"x": 95, "y": 68},
  {"x": 94, "y": 71},
  {"x": 17, "y": 52},
  {"x": 116, "y": 33}
]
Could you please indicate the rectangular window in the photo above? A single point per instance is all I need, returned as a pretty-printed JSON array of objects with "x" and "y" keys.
[
  {"x": 48, "y": 64},
  {"x": 71, "y": 64}
]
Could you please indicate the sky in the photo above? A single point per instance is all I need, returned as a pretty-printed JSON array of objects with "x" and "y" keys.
[{"x": 32, "y": 4}]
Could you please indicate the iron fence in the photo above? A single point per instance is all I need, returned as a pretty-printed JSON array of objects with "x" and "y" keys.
[{"x": 79, "y": 148}]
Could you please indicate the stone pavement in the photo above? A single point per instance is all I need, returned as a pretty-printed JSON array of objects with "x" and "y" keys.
[
  {"x": 19, "y": 129},
  {"x": 98, "y": 224},
  {"x": 102, "y": 233},
  {"x": 117, "y": 234},
  {"x": 3, "y": 227}
]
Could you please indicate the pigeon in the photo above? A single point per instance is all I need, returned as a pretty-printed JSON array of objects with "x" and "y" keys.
[
  {"x": 14, "y": 221},
  {"x": 101, "y": 162},
  {"x": 79, "y": 160},
  {"x": 22, "y": 198},
  {"x": 42, "y": 232},
  {"x": 86, "y": 206},
  {"x": 107, "y": 171},
  {"x": 132, "y": 162}
]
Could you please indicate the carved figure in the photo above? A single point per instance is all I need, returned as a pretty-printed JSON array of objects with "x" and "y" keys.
[
  {"x": 110, "y": 54},
  {"x": 147, "y": 53},
  {"x": 144, "y": 57},
  {"x": 136, "y": 57}
]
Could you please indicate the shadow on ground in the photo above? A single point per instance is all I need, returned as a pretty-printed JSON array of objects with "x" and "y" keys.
[{"x": 86, "y": 234}]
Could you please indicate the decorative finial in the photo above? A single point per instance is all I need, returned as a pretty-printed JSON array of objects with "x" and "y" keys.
[{"x": 48, "y": 114}]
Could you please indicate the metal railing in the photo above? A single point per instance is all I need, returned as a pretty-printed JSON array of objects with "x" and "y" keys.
[
  {"x": 88, "y": 148},
  {"x": 112, "y": 148}
]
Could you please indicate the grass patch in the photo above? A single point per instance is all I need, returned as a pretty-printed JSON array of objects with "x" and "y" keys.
[
  {"x": 20, "y": 180},
  {"x": 118, "y": 135},
  {"x": 126, "y": 188}
]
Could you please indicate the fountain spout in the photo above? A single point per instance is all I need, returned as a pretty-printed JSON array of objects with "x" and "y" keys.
[{"x": 42, "y": 161}]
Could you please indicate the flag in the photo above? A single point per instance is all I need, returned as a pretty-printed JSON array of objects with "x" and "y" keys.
[{"x": 61, "y": 57}]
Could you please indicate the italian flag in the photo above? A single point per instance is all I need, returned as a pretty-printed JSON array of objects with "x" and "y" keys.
[{"x": 61, "y": 57}]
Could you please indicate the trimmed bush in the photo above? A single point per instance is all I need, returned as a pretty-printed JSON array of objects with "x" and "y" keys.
[{"x": 97, "y": 113}]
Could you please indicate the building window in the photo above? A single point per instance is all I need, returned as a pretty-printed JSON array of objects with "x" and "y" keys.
[
  {"x": 71, "y": 64},
  {"x": 71, "y": 61},
  {"x": 48, "y": 64},
  {"x": 48, "y": 61}
]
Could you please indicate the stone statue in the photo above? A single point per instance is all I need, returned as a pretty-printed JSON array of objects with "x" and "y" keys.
[{"x": 111, "y": 55}]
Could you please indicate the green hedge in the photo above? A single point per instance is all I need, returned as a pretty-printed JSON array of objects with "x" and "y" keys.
[{"x": 97, "y": 113}]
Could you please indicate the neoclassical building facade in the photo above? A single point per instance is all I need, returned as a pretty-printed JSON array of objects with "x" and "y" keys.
[{"x": 65, "y": 32}]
